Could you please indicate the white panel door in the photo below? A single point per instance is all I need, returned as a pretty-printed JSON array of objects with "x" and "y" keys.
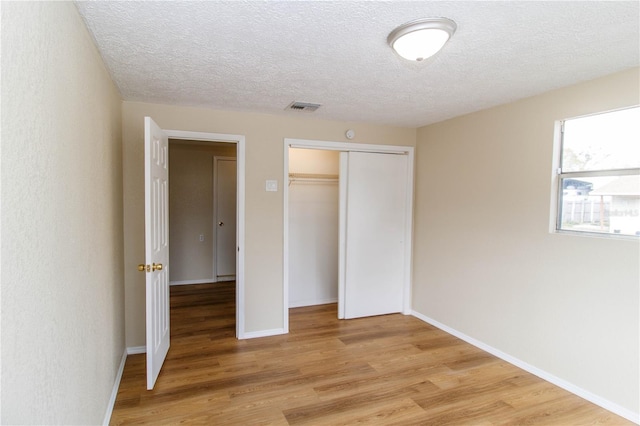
[
  {"x": 156, "y": 188},
  {"x": 225, "y": 217},
  {"x": 374, "y": 211}
]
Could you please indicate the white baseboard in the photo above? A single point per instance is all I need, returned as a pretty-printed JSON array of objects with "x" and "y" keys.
[
  {"x": 262, "y": 333},
  {"x": 300, "y": 304},
  {"x": 114, "y": 391},
  {"x": 134, "y": 350},
  {"x": 582, "y": 393},
  {"x": 187, "y": 282}
]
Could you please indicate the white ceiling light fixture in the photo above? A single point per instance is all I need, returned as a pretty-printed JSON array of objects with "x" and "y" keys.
[{"x": 420, "y": 39}]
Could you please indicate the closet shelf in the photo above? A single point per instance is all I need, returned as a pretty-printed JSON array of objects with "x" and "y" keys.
[{"x": 312, "y": 177}]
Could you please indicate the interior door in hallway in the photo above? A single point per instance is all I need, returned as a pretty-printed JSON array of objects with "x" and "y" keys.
[
  {"x": 225, "y": 217},
  {"x": 156, "y": 187},
  {"x": 373, "y": 197}
]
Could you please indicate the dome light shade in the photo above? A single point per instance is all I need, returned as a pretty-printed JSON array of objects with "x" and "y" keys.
[{"x": 420, "y": 39}]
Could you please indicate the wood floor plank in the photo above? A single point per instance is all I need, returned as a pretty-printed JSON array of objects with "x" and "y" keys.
[
  {"x": 349, "y": 405},
  {"x": 401, "y": 411},
  {"x": 386, "y": 370}
]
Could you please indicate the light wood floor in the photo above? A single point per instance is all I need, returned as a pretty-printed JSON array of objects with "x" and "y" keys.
[{"x": 391, "y": 370}]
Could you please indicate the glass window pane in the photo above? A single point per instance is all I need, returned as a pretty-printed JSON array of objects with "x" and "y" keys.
[
  {"x": 604, "y": 141},
  {"x": 606, "y": 204}
]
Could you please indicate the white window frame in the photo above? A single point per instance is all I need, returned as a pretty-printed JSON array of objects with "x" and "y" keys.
[{"x": 558, "y": 175}]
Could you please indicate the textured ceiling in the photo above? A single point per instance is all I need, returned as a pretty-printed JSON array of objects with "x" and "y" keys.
[{"x": 262, "y": 55}]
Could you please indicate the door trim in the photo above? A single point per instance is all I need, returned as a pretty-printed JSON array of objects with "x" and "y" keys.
[
  {"x": 349, "y": 147},
  {"x": 239, "y": 140}
]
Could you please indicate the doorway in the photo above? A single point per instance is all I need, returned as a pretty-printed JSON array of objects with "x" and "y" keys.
[
  {"x": 353, "y": 172},
  {"x": 237, "y": 142},
  {"x": 157, "y": 246},
  {"x": 202, "y": 212}
]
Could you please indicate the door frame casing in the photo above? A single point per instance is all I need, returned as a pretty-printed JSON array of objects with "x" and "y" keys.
[
  {"x": 239, "y": 140},
  {"x": 349, "y": 147}
]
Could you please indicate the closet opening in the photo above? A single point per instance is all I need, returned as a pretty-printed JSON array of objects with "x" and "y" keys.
[
  {"x": 313, "y": 182},
  {"x": 347, "y": 221}
]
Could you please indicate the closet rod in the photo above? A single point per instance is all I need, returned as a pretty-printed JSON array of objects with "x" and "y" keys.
[{"x": 312, "y": 177}]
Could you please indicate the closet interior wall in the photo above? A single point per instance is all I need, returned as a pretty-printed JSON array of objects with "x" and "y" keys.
[{"x": 313, "y": 227}]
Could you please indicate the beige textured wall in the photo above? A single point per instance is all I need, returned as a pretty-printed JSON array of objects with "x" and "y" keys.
[
  {"x": 486, "y": 264},
  {"x": 264, "y": 210},
  {"x": 191, "y": 209},
  {"x": 62, "y": 255}
]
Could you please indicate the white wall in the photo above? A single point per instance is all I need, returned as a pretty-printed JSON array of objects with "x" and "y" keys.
[
  {"x": 191, "y": 207},
  {"x": 264, "y": 136},
  {"x": 485, "y": 263},
  {"x": 62, "y": 255},
  {"x": 313, "y": 227}
]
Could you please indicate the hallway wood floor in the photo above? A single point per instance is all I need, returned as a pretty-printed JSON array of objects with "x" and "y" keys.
[{"x": 391, "y": 370}]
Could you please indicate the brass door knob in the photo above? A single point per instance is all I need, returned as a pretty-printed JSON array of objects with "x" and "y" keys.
[
  {"x": 156, "y": 267},
  {"x": 142, "y": 267}
]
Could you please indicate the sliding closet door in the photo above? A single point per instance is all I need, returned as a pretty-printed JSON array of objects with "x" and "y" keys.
[{"x": 373, "y": 230}]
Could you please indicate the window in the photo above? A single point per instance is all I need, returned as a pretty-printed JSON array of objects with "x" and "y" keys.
[{"x": 598, "y": 174}]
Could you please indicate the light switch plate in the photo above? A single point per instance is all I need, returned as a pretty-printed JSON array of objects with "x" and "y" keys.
[{"x": 271, "y": 186}]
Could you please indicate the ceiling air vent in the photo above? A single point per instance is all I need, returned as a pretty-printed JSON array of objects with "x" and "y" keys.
[{"x": 303, "y": 106}]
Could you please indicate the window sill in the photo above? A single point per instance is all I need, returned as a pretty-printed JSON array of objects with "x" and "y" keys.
[{"x": 597, "y": 235}]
